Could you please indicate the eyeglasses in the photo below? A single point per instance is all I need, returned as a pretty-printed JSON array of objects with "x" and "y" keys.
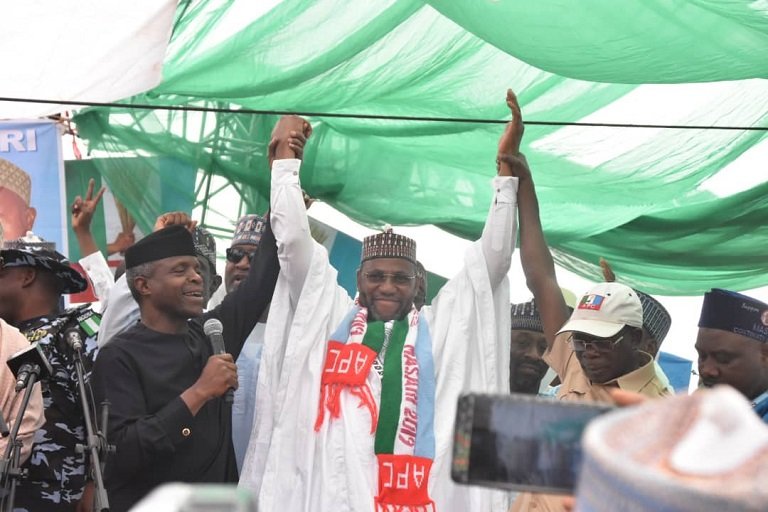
[
  {"x": 599, "y": 345},
  {"x": 235, "y": 255},
  {"x": 380, "y": 277}
]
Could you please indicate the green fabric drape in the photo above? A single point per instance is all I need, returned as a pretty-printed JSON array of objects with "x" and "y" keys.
[{"x": 637, "y": 197}]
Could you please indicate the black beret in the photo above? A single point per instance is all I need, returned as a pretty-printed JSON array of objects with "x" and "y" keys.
[{"x": 165, "y": 243}]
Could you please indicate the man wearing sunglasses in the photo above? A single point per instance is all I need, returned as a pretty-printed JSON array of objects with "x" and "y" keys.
[{"x": 240, "y": 255}]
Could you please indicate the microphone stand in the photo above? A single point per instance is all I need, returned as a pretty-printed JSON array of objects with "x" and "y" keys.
[
  {"x": 96, "y": 441},
  {"x": 12, "y": 471}
]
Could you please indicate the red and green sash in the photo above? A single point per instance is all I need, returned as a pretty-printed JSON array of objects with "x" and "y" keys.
[{"x": 403, "y": 421}]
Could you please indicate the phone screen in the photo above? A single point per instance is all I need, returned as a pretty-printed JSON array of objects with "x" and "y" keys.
[{"x": 520, "y": 442}]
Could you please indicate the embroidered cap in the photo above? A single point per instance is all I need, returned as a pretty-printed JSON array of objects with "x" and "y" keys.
[
  {"x": 605, "y": 310},
  {"x": 32, "y": 251},
  {"x": 15, "y": 179},
  {"x": 165, "y": 243},
  {"x": 656, "y": 318},
  {"x": 733, "y": 312},
  {"x": 249, "y": 230},
  {"x": 525, "y": 316},
  {"x": 205, "y": 244},
  {"x": 388, "y": 245},
  {"x": 705, "y": 451}
]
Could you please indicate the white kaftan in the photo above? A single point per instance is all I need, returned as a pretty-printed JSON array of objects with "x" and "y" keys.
[{"x": 291, "y": 467}]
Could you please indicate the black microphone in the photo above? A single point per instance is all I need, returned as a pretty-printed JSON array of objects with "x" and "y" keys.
[
  {"x": 29, "y": 361},
  {"x": 73, "y": 338},
  {"x": 214, "y": 329}
]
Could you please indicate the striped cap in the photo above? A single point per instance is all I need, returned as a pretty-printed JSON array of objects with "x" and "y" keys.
[
  {"x": 656, "y": 318},
  {"x": 15, "y": 179},
  {"x": 525, "y": 316},
  {"x": 205, "y": 244},
  {"x": 388, "y": 245}
]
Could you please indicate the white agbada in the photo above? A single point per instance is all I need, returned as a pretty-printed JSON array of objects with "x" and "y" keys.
[{"x": 291, "y": 467}]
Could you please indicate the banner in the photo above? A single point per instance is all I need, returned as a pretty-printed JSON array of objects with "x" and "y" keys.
[
  {"x": 32, "y": 181},
  {"x": 160, "y": 184}
]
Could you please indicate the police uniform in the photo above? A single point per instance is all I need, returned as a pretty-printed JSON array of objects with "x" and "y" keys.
[{"x": 56, "y": 473}]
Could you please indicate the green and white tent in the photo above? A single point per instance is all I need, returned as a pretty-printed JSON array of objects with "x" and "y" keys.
[{"x": 407, "y": 101}]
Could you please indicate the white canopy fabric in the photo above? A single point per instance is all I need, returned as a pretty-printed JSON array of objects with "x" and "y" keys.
[{"x": 89, "y": 50}]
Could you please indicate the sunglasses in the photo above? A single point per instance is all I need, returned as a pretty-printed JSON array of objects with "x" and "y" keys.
[
  {"x": 236, "y": 255},
  {"x": 599, "y": 345}
]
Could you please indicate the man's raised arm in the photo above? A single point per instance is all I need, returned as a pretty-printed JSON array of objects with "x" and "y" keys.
[
  {"x": 500, "y": 230},
  {"x": 538, "y": 266},
  {"x": 288, "y": 212}
]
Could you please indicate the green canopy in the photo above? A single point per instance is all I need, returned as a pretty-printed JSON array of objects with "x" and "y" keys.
[{"x": 652, "y": 201}]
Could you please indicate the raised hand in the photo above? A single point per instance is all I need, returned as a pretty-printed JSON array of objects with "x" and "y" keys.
[
  {"x": 513, "y": 165},
  {"x": 83, "y": 209},
  {"x": 288, "y": 138},
  {"x": 122, "y": 242},
  {"x": 509, "y": 143},
  {"x": 509, "y": 160},
  {"x": 173, "y": 218}
]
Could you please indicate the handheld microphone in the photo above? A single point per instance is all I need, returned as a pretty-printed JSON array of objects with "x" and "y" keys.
[
  {"x": 214, "y": 329},
  {"x": 73, "y": 338},
  {"x": 27, "y": 362}
]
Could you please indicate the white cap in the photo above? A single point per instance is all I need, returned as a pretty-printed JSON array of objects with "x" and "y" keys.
[
  {"x": 605, "y": 310},
  {"x": 687, "y": 453}
]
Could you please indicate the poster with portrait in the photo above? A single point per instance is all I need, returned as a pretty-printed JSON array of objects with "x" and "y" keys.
[{"x": 32, "y": 181}]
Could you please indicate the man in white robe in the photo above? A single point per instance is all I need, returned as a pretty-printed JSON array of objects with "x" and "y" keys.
[{"x": 301, "y": 460}]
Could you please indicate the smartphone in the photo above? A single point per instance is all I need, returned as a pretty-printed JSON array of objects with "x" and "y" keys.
[{"x": 520, "y": 442}]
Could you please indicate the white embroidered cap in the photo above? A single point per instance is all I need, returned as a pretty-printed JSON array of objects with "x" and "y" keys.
[{"x": 707, "y": 451}]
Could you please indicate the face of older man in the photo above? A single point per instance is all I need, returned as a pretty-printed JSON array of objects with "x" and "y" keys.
[
  {"x": 238, "y": 264},
  {"x": 605, "y": 359},
  {"x": 15, "y": 215},
  {"x": 526, "y": 365}
]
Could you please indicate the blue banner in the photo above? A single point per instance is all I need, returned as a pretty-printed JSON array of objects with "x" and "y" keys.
[{"x": 32, "y": 181}]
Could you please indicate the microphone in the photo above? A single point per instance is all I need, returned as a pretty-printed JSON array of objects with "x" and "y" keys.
[
  {"x": 74, "y": 340},
  {"x": 27, "y": 362},
  {"x": 214, "y": 329}
]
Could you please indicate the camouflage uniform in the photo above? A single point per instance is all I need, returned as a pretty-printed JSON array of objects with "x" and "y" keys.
[{"x": 56, "y": 473}]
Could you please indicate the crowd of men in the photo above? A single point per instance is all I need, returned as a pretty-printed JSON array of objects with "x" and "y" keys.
[{"x": 339, "y": 403}]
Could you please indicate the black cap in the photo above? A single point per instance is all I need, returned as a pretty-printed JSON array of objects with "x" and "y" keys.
[
  {"x": 165, "y": 243},
  {"x": 733, "y": 312}
]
